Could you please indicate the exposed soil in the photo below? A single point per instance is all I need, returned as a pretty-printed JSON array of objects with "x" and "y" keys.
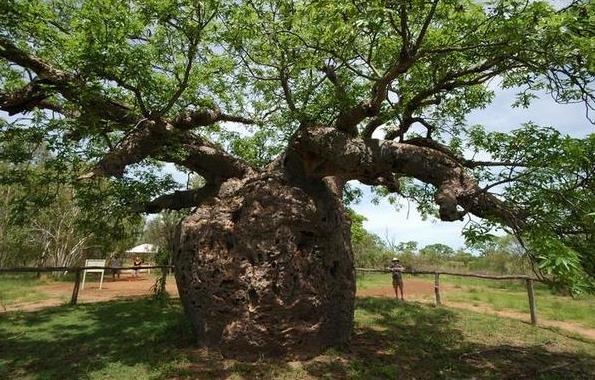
[
  {"x": 412, "y": 288},
  {"x": 59, "y": 293},
  {"x": 127, "y": 286}
]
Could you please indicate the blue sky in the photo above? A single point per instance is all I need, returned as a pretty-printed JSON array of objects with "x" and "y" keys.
[{"x": 406, "y": 224}]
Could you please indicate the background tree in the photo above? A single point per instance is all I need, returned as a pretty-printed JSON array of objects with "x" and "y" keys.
[
  {"x": 161, "y": 231},
  {"x": 369, "y": 251},
  {"x": 44, "y": 222},
  {"x": 328, "y": 91}
]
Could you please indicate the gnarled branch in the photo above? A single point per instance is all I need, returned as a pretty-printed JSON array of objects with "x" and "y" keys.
[
  {"x": 179, "y": 199},
  {"x": 457, "y": 192},
  {"x": 69, "y": 86}
]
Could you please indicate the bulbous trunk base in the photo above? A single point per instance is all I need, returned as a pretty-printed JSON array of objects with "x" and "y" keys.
[{"x": 267, "y": 270}]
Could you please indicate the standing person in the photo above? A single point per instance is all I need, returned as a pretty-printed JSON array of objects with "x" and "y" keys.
[
  {"x": 136, "y": 264},
  {"x": 116, "y": 263},
  {"x": 397, "y": 270}
]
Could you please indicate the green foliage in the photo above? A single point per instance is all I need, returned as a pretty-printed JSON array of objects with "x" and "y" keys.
[
  {"x": 271, "y": 60},
  {"x": 556, "y": 198},
  {"x": 369, "y": 250},
  {"x": 43, "y": 222}
]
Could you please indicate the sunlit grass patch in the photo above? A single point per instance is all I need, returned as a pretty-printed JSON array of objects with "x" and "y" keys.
[
  {"x": 141, "y": 339},
  {"x": 20, "y": 288}
]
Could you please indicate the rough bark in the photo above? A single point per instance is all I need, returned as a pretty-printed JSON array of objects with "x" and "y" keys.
[
  {"x": 322, "y": 152},
  {"x": 266, "y": 268}
]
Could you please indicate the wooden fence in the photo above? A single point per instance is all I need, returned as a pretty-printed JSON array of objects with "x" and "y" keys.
[
  {"x": 77, "y": 273},
  {"x": 78, "y": 270},
  {"x": 528, "y": 281}
]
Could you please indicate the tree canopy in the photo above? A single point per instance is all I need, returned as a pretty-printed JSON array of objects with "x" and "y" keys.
[{"x": 379, "y": 89}]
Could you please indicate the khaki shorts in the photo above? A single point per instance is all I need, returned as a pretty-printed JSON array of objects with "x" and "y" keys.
[{"x": 397, "y": 282}]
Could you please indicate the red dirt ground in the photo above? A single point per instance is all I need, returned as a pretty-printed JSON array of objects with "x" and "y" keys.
[
  {"x": 126, "y": 287},
  {"x": 59, "y": 293},
  {"x": 413, "y": 289}
]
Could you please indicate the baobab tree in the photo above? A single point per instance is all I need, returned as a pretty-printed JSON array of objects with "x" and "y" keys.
[{"x": 277, "y": 105}]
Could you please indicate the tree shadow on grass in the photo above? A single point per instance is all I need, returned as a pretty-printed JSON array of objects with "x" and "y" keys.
[
  {"x": 144, "y": 339},
  {"x": 406, "y": 340},
  {"x": 71, "y": 342}
]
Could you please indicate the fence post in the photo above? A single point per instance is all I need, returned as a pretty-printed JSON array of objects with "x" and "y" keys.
[
  {"x": 75, "y": 290},
  {"x": 532, "y": 306},
  {"x": 437, "y": 288}
]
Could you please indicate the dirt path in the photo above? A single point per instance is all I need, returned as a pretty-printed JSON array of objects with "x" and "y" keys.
[
  {"x": 59, "y": 293},
  {"x": 413, "y": 288},
  {"x": 485, "y": 309},
  {"x": 419, "y": 290}
]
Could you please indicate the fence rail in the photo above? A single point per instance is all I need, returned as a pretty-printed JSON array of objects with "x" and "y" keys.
[
  {"x": 528, "y": 282},
  {"x": 74, "y": 269},
  {"x": 77, "y": 271}
]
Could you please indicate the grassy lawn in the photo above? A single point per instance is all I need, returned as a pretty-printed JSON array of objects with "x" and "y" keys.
[
  {"x": 20, "y": 288},
  {"x": 502, "y": 295},
  {"x": 549, "y": 306},
  {"x": 373, "y": 280},
  {"x": 143, "y": 339}
]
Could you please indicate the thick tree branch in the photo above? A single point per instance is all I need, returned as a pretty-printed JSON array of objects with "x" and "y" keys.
[
  {"x": 433, "y": 144},
  {"x": 72, "y": 88},
  {"x": 326, "y": 151},
  {"x": 24, "y": 99},
  {"x": 138, "y": 144},
  {"x": 203, "y": 117},
  {"x": 203, "y": 157},
  {"x": 166, "y": 143},
  {"x": 180, "y": 199}
]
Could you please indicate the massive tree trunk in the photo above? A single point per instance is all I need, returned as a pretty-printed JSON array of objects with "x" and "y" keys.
[
  {"x": 266, "y": 268},
  {"x": 264, "y": 264}
]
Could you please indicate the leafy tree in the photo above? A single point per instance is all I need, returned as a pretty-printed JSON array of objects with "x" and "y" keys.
[
  {"x": 504, "y": 255},
  {"x": 47, "y": 223},
  {"x": 161, "y": 231},
  {"x": 369, "y": 250},
  {"x": 437, "y": 252},
  {"x": 326, "y": 92}
]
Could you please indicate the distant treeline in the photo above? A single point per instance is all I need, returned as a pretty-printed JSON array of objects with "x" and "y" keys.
[{"x": 501, "y": 255}]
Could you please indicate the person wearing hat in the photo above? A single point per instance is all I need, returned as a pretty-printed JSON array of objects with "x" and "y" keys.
[{"x": 397, "y": 270}]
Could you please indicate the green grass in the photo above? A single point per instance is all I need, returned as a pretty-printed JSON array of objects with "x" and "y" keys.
[
  {"x": 549, "y": 306},
  {"x": 501, "y": 295},
  {"x": 373, "y": 280},
  {"x": 143, "y": 339},
  {"x": 20, "y": 288}
]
